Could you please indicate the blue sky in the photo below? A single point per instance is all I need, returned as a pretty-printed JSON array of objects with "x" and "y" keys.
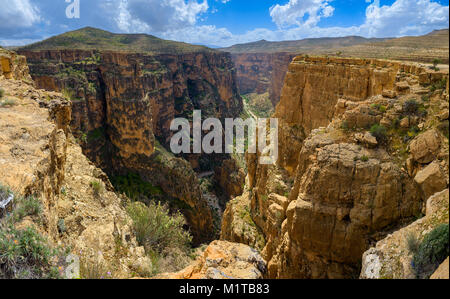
[{"x": 224, "y": 22}]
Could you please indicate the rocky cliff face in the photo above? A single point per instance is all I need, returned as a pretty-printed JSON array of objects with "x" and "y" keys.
[
  {"x": 261, "y": 73},
  {"x": 337, "y": 188},
  {"x": 122, "y": 101},
  {"x": 39, "y": 156}
]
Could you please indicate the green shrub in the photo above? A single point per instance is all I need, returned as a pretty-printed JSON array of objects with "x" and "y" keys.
[
  {"x": 94, "y": 269},
  {"x": 133, "y": 186},
  {"x": 441, "y": 84},
  {"x": 364, "y": 158},
  {"x": 380, "y": 133},
  {"x": 436, "y": 62},
  {"x": 2, "y": 93},
  {"x": 432, "y": 252},
  {"x": 412, "y": 242},
  {"x": 156, "y": 229},
  {"x": 97, "y": 187},
  {"x": 26, "y": 254},
  {"x": 410, "y": 107},
  {"x": 26, "y": 206},
  {"x": 8, "y": 103}
]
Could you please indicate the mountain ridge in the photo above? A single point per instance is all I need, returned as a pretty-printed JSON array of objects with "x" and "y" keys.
[{"x": 90, "y": 38}]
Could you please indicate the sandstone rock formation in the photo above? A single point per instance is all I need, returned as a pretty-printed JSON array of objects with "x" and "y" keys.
[
  {"x": 224, "y": 260},
  {"x": 39, "y": 156},
  {"x": 337, "y": 187}
]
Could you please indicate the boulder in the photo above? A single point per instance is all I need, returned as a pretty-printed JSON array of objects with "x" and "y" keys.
[
  {"x": 224, "y": 260},
  {"x": 431, "y": 179},
  {"x": 391, "y": 94},
  {"x": 425, "y": 147}
]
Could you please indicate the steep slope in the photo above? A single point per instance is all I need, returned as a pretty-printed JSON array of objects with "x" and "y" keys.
[
  {"x": 338, "y": 188},
  {"x": 39, "y": 156}
]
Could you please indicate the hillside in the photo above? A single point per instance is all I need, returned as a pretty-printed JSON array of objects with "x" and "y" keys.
[
  {"x": 264, "y": 46},
  {"x": 89, "y": 38},
  {"x": 424, "y": 48}
]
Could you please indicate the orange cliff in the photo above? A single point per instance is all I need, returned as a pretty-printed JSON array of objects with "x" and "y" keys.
[
  {"x": 123, "y": 102},
  {"x": 337, "y": 189}
]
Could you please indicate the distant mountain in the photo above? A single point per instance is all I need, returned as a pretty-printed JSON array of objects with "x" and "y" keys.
[
  {"x": 264, "y": 46},
  {"x": 424, "y": 48},
  {"x": 435, "y": 39},
  {"x": 95, "y": 39}
]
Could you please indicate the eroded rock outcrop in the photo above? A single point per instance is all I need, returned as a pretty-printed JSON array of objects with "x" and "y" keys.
[
  {"x": 224, "y": 260},
  {"x": 314, "y": 85},
  {"x": 39, "y": 156},
  {"x": 344, "y": 179}
]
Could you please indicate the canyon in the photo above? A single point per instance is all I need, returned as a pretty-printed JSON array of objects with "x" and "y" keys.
[
  {"x": 122, "y": 107},
  {"x": 334, "y": 191},
  {"x": 363, "y": 146}
]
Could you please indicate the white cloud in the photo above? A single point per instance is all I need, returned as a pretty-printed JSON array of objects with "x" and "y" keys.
[
  {"x": 159, "y": 16},
  {"x": 301, "y": 12},
  {"x": 404, "y": 17},
  {"x": 16, "y": 14}
]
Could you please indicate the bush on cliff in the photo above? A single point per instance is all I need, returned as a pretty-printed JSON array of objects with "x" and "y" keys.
[
  {"x": 162, "y": 235},
  {"x": 432, "y": 252},
  {"x": 24, "y": 253},
  {"x": 156, "y": 229},
  {"x": 380, "y": 133}
]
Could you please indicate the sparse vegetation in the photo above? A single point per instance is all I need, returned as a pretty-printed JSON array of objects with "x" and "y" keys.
[
  {"x": 162, "y": 235},
  {"x": 26, "y": 206},
  {"x": 97, "y": 187},
  {"x": 24, "y": 253},
  {"x": 443, "y": 128},
  {"x": 413, "y": 243},
  {"x": 432, "y": 252},
  {"x": 94, "y": 269},
  {"x": 135, "y": 188},
  {"x": 436, "y": 62},
  {"x": 2, "y": 93},
  {"x": 380, "y": 133},
  {"x": 440, "y": 85},
  {"x": 410, "y": 107},
  {"x": 8, "y": 103}
]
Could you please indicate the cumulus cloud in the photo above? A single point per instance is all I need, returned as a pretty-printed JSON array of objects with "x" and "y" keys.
[
  {"x": 159, "y": 15},
  {"x": 301, "y": 12},
  {"x": 404, "y": 17},
  {"x": 17, "y": 15}
]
